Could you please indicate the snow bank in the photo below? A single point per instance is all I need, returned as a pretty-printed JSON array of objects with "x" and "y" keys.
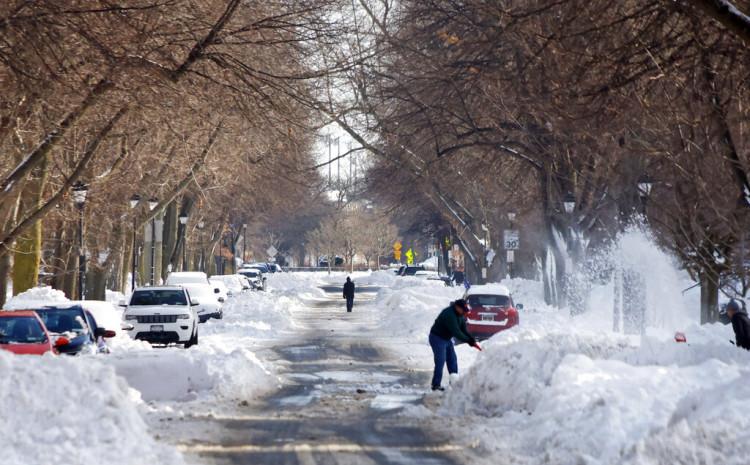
[
  {"x": 174, "y": 374},
  {"x": 575, "y": 396},
  {"x": 408, "y": 305},
  {"x": 71, "y": 410},
  {"x": 35, "y": 297}
]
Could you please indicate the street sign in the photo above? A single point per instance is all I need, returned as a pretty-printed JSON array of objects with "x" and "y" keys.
[
  {"x": 271, "y": 251},
  {"x": 397, "y": 245},
  {"x": 409, "y": 257},
  {"x": 511, "y": 239},
  {"x": 511, "y": 256},
  {"x": 397, "y": 251}
]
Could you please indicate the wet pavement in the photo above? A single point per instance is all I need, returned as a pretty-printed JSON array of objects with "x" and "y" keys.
[{"x": 340, "y": 403}]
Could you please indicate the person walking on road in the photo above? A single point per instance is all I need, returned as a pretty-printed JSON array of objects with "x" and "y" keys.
[
  {"x": 349, "y": 293},
  {"x": 450, "y": 324},
  {"x": 740, "y": 324}
]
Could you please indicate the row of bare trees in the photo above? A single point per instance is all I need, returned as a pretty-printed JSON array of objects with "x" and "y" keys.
[
  {"x": 480, "y": 108},
  {"x": 202, "y": 105},
  {"x": 353, "y": 229}
]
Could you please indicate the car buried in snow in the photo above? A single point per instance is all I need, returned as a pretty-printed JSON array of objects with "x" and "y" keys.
[
  {"x": 77, "y": 325},
  {"x": 22, "y": 332},
  {"x": 490, "y": 310}
]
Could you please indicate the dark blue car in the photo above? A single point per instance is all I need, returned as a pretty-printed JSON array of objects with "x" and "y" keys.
[{"x": 78, "y": 325}]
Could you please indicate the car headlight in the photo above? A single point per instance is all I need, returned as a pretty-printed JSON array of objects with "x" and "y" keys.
[
  {"x": 131, "y": 317},
  {"x": 183, "y": 317}
]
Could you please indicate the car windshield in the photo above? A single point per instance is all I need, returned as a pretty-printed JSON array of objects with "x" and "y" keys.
[
  {"x": 158, "y": 297},
  {"x": 489, "y": 300},
  {"x": 250, "y": 274},
  {"x": 21, "y": 330},
  {"x": 63, "y": 320},
  {"x": 412, "y": 271}
]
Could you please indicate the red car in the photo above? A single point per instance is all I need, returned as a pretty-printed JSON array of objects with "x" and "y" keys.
[
  {"x": 22, "y": 332},
  {"x": 491, "y": 310}
]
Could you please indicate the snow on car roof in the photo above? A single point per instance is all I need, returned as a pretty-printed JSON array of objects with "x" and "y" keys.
[
  {"x": 196, "y": 274},
  {"x": 488, "y": 289}
]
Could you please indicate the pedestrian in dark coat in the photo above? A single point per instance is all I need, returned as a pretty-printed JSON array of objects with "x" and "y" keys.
[
  {"x": 450, "y": 324},
  {"x": 740, "y": 324},
  {"x": 349, "y": 293}
]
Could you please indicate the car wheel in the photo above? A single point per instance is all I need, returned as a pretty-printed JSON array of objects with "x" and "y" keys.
[{"x": 193, "y": 340}]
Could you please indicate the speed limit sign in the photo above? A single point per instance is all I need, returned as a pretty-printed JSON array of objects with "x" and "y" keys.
[{"x": 511, "y": 239}]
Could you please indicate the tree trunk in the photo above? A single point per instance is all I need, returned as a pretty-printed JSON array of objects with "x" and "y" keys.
[
  {"x": 4, "y": 274},
  {"x": 709, "y": 298},
  {"x": 28, "y": 250},
  {"x": 169, "y": 240}
]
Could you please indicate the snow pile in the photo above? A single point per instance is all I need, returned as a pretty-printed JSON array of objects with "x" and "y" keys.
[
  {"x": 72, "y": 410},
  {"x": 185, "y": 375},
  {"x": 590, "y": 397},
  {"x": 35, "y": 297},
  {"x": 410, "y": 305}
]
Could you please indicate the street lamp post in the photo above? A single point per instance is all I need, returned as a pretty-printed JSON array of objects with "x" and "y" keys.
[
  {"x": 152, "y": 203},
  {"x": 80, "y": 190},
  {"x": 201, "y": 225},
  {"x": 183, "y": 222},
  {"x": 511, "y": 256},
  {"x": 645, "y": 184},
  {"x": 134, "y": 201},
  {"x": 569, "y": 203},
  {"x": 244, "y": 242}
]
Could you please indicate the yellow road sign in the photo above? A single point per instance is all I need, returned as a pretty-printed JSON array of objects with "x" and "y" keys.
[{"x": 409, "y": 257}]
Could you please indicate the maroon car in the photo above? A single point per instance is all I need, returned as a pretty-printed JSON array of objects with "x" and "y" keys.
[{"x": 491, "y": 310}]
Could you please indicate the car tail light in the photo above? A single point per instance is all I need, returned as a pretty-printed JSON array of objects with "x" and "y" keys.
[{"x": 131, "y": 317}]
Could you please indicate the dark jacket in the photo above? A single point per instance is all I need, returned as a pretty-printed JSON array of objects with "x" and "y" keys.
[
  {"x": 448, "y": 324},
  {"x": 741, "y": 326},
  {"x": 349, "y": 289}
]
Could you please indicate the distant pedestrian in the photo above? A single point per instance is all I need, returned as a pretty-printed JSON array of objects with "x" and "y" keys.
[
  {"x": 740, "y": 324},
  {"x": 349, "y": 293},
  {"x": 450, "y": 324}
]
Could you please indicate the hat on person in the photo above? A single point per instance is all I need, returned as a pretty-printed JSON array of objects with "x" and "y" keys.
[
  {"x": 461, "y": 303},
  {"x": 734, "y": 305}
]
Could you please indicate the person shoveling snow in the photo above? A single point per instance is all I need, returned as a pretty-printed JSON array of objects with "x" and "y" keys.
[
  {"x": 450, "y": 324},
  {"x": 740, "y": 324}
]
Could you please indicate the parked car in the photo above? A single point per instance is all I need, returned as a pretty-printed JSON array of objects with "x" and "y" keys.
[
  {"x": 491, "y": 310},
  {"x": 184, "y": 277},
  {"x": 223, "y": 289},
  {"x": 259, "y": 266},
  {"x": 246, "y": 284},
  {"x": 233, "y": 282},
  {"x": 255, "y": 276},
  {"x": 427, "y": 275},
  {"x": 77, "y": 325},
  {"x": 411, "y": 270},
  {"x": 210, "y": 303},
  {"x": 162, "y": 315},
  {"x": 23, "y": 332},
  {"x": 197, "y": 283}
]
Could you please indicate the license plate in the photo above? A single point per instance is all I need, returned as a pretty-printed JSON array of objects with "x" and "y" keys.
[
  {"x": 157, "y": 328},
  {"x": 488, "y": 317}
]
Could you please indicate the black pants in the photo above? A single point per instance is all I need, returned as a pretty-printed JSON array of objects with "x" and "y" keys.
[{"x": 349, "y": 303}]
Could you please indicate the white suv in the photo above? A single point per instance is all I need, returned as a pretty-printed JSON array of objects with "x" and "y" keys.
[{"x": 162, "y": 315}]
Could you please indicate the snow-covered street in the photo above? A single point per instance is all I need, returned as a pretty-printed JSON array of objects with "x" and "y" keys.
[{"x": 289, "y": 377}]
